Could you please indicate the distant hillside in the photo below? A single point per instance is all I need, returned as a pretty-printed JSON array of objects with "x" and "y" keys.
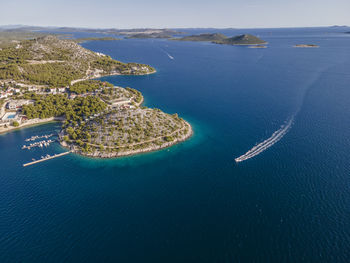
[
  {"x": 245, "y": 39},
  {"x": 11, "y": 38},
  {"x": 84, "y": 39},
  {"x": 52, "y": 61},
  {"x": 222, "y": 39},
  {"x": 149, "y": 35},
  {"x": 204, "y": 37}
]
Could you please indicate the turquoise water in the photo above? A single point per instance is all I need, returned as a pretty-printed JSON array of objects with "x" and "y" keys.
[
  {"x": 10, "y": 116},
  {"x": 191, "y": 202}
]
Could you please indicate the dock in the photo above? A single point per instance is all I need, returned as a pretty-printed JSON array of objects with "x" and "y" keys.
[{"x": 46, "y": 158}]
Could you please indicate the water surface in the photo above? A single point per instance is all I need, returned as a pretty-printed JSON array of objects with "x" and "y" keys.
[{"x": 191, "y": 202}]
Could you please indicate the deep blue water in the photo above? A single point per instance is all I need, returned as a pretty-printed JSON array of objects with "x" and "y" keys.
[{"x": 192, "y": 203}]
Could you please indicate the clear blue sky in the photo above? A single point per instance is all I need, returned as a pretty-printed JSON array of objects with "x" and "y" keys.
[{"x": 176, "y": 13}]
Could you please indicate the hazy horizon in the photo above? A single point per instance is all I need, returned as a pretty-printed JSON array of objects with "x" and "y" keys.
[
  {"x": 13, "y": 26},
  {"x": 182, "y": 14}
]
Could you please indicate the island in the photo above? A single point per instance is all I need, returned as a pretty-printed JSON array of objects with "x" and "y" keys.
[
  {"x": 217, "y": 38},
  {"x": 306, "y": 46},
  {"x": 148, "y": 35},
  {"x": 51, "y": 79},
  {"x": 84, "y": 39},
  {"x": 257, "y": 46},
  {"x": 203, "y": 37}
]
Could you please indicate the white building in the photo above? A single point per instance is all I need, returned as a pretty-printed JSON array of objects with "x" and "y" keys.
[
  {"x": 17, "y": 104},
  {"x": 32, "y": 88}
]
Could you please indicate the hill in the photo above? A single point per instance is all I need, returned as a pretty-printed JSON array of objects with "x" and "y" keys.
[
  {"x": 148, "y": 35},
  {"x": 218, "y": 38},
  {"x": 245, "y": 39},
  {"x": 204, "y": 37},
  {"x": 11, "y": 38},
  {"x": 51, "y": 61}
]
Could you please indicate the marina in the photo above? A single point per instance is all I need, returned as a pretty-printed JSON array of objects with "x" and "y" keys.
[
  {"x": 36, "y": 137},
  {"x": 40, "y": 144}
]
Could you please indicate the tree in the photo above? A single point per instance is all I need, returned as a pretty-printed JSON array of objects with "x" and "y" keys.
[{"x": 15, "y": 124}]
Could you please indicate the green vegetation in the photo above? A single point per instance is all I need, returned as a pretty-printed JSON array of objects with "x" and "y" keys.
[
  {"x": 84, "y": 39},
  {"x": 15, "y": 124},
  {"x": 246, "y": 39},
  {"x": 47, "y": 106},
  {"x": 123, "y": 131},
  {"x": 222, "y": 39},
  {"x": 101, "y": 119},
  {"x": 11, "y": 38},
  {"x": 203, "y": 37},
  {"x": 136, "y": 94},
  {"x": 149, "y": 35},
  {"x": 51, "y": 74},
  {"x": 56, "y": 62},
  {"x": 88, "y": 86},
  {"x": 107, "y": 64}
]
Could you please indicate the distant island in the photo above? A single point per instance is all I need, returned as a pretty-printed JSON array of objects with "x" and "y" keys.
[
  {"x": 203, "y": 37},
  {"x": 150, "y": 33},
  {"x": 84, "y": 39},
  {"x": 218, "y": 38},
  {"x": 109, "y": 31},
  {"x": 257, "y": 46},
  {"x": 47, "y": 79},
  {"x": 306, "y": 45}
]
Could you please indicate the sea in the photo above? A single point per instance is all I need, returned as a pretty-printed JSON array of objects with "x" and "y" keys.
[{"x": 284, "y": 110}]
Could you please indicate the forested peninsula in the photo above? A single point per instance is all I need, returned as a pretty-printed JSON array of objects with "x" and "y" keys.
[{"x": 46, "y": 78}]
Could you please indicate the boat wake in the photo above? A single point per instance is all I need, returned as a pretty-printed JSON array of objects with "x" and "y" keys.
[
  {"x": 279, "y": 134},
  {"x": 170, "y": 56},
  {"x": 274, "y": 138}
]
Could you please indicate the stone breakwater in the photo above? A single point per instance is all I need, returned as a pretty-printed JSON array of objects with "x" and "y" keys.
[{"x": 98, "y": 154}]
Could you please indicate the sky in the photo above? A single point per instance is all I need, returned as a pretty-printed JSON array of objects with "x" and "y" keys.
[{"x": 176, "y": 13}]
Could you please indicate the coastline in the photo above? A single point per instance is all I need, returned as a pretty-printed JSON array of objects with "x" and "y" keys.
[
  {"x": 306, "y": 46},
  {"x": 31, "y": 123},
  {"x": 99, "y": 155},
  {"x": 34, "y": 122},
  {"x": 98, "y": 75},
  {"x": 264, "y": 43}
]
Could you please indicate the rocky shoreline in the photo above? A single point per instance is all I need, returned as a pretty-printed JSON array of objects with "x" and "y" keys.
[{"x": 98, "y": 154}]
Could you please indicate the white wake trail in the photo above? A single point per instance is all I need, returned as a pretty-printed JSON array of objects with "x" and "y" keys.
[
  {"x": 274, "y": 138},
  {"x": 279, "y": 134},
  {"x": 170, "y": 56}
]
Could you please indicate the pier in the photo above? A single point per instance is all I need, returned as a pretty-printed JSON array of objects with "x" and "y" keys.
[{"x": 48, "y": 157}]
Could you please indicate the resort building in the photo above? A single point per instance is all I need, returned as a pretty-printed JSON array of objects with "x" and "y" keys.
[{"x": 17, "y": 104}]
